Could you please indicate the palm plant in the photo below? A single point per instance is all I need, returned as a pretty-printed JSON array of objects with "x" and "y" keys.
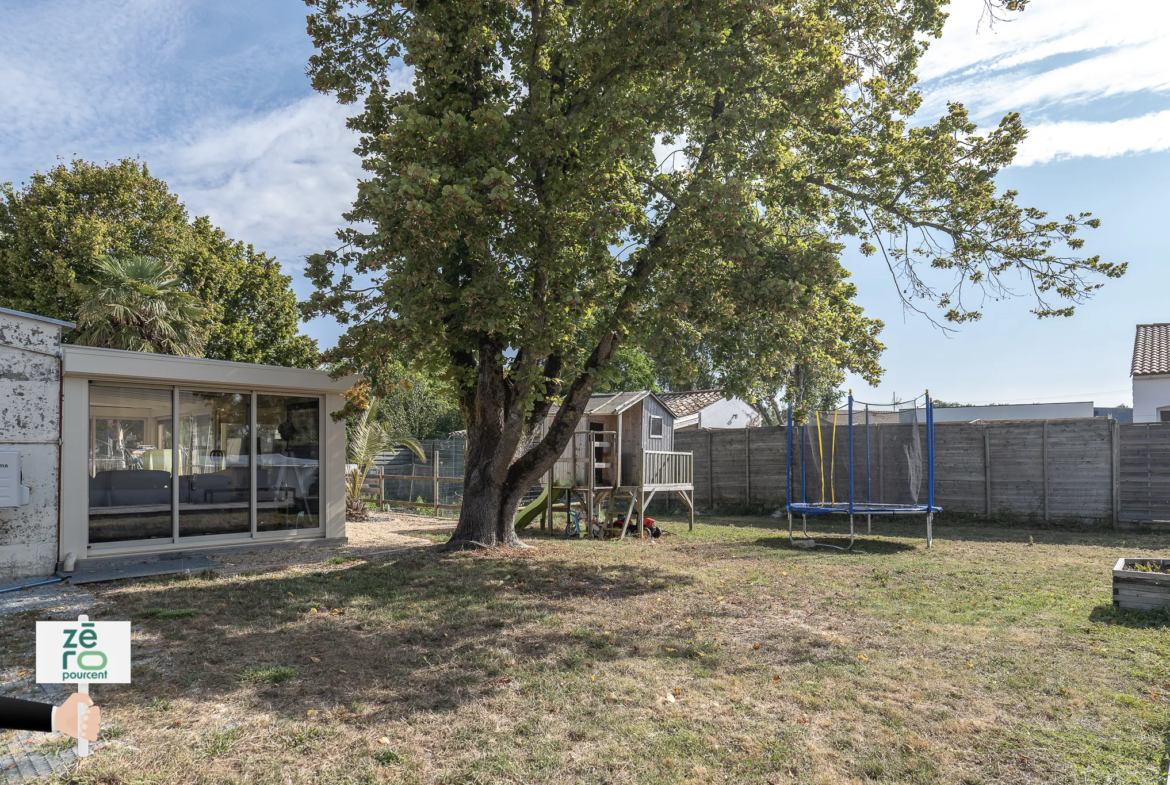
[
  {"x": 367, "y": 440},
  {"x": 136, "y": 303}
]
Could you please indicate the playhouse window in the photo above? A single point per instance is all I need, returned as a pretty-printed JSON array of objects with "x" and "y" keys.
[{"x": 655, "y": 427}]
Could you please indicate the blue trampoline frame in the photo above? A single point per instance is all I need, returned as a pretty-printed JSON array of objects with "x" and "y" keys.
[{"x": 853, "y": 507}]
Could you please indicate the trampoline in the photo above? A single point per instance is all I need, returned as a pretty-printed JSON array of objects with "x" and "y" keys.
[{"x": 906, "y": 438}]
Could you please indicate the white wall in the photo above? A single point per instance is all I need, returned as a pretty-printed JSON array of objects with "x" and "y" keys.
[
  {"x": 724, "y": 413},
  {"x": 1150, "y": 393},
  {"x": 30, "y": 421},
  {"x": 1015, "y": 411}
]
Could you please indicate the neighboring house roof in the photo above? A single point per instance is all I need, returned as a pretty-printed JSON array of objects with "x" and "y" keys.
[
  {"x": 682, "y": 404},
  {"x": 1151, "y": 349},
  {"x": 34, "y": 317}
]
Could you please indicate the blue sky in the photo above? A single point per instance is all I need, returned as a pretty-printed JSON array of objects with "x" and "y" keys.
[{"x": 212, "y": 95}]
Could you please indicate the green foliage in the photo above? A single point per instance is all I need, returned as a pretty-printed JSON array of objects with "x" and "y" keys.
[
  {"x": 367, "y": 439},
  {"x": 499, "y": 187},
  {"x": 415, "y": 403},
  {"x": 136, "y": 304},
  {"x": 56, "y": 230},
  {"x": 632, "y": 368}
]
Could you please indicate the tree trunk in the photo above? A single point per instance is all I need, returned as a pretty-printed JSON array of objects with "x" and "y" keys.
[
  {"x": 488, "y": 512},
  {"x": 356, "y": 510}
]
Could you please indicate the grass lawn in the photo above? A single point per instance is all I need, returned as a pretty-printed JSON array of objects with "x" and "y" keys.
[{"x": 722, "y": 655}]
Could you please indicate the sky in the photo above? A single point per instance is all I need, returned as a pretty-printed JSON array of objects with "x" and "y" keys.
[{"x": 212, "y": 96}]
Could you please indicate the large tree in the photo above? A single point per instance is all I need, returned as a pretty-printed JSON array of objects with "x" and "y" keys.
[
  {"x": 56, "y": 230},
  {"x": 565, "y": 178}
]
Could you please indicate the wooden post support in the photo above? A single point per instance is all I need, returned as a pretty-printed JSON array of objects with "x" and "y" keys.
[
  {"x": 747, "y": 440},
  {"x": 987, "y": 470},
  {"x": 435, "y": 476},
  {"x": 1044, "y": 462},
  {"x": 617, "y": 455},
  {"x": 710, "y": 474},
  {"x": 1115, "y": 461},
  {"x": 548, "y": 499}
]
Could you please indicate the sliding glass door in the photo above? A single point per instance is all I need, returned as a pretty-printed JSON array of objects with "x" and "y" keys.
[
  {"x": 130, "y": 477},
  {"x": 215, "y": 477},
  {"x": 170, "y": 462},
  {"x": 288, "y": 455}
]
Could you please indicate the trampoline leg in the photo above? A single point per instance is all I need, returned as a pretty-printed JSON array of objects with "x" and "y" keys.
[
  {"x": 929, "y": 529},
  {"x": 851, "y": 535},
  {"x": 868, "y": 523},
  {"x": 790, "y": 525},
  {"x": 804, "y": 521}
]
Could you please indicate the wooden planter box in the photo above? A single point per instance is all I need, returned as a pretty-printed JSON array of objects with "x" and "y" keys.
[{"x": 1144, "y": 591}]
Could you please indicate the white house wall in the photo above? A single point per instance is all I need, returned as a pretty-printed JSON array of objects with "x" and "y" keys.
[
  {"x": 1150, "y": 393},
  {"x": 30, "y": 422},
  {"x": 733, "y": 413}
]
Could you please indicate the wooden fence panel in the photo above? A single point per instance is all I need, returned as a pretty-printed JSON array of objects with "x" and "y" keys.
[
  {"x": 1073, "y": 459},
  {"x": 1145, "y": 473}
]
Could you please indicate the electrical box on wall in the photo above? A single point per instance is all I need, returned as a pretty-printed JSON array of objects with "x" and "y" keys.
[{"x": 12, "y": 492}]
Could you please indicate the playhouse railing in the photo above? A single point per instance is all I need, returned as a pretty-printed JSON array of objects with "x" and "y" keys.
[{"x": 667, "y": 468}]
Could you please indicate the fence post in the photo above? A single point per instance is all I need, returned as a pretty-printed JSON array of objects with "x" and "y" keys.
[
  {"x": 987, "y": 468},
  {"x": 710, "y": 474},
  {"x": 1044, "y": 461},
  {"x": 1115, "y": 463},
  {"x": 747, "y": 440},
  {"x": 435, "y": 476}
]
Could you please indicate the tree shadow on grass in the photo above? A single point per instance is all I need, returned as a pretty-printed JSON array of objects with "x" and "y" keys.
[
  {"x": 861, "y": 546},
  {"x": 1134, "y": 619},
  {"x": 425, "y": 633}
]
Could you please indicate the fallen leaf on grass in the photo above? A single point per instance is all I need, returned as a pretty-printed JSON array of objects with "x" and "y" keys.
[
  {"x": 312, "y": 713},
  {"x": 756, "y": 646},
  {"x": 314, "y": 660},
  {"x": 670, "y": 698},
  {"x": 862, "y": 657},
  {"x": 384, "y": 740}
]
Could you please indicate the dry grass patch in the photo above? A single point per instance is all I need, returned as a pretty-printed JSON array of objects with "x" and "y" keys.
[{"x": 721, "y": 655}]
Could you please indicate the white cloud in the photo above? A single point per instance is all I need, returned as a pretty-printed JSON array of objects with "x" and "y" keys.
[
  {"x": 1077, "y": 139},
  {"x": 1048, "y": 28},
  {"x": 280, "y": 181},
  {"x": 1054, "y": 62}
]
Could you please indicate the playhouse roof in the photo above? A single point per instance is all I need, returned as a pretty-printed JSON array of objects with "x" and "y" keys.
[{"x": 616, "y": 402}]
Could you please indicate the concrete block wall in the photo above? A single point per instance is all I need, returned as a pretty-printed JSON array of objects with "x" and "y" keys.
[
  {"x": 30, "y": 421},
  {"x": 1059, "y": 469}
]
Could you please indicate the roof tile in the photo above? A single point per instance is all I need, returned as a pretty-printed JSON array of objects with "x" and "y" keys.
[
  {"x": 1151, "y": 349},
  {"x": 690, "y": 401}
]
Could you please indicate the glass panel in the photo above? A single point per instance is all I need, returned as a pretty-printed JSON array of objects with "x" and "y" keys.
[
  {"x": 129, "y": 463},
  {"x": 288, "y": 450},
  {"x": 215, "y": 474},
  {"x": 655, "y": 427}
]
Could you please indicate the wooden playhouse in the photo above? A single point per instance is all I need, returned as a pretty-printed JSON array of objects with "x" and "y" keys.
[{"x": 620, "y": 457}]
